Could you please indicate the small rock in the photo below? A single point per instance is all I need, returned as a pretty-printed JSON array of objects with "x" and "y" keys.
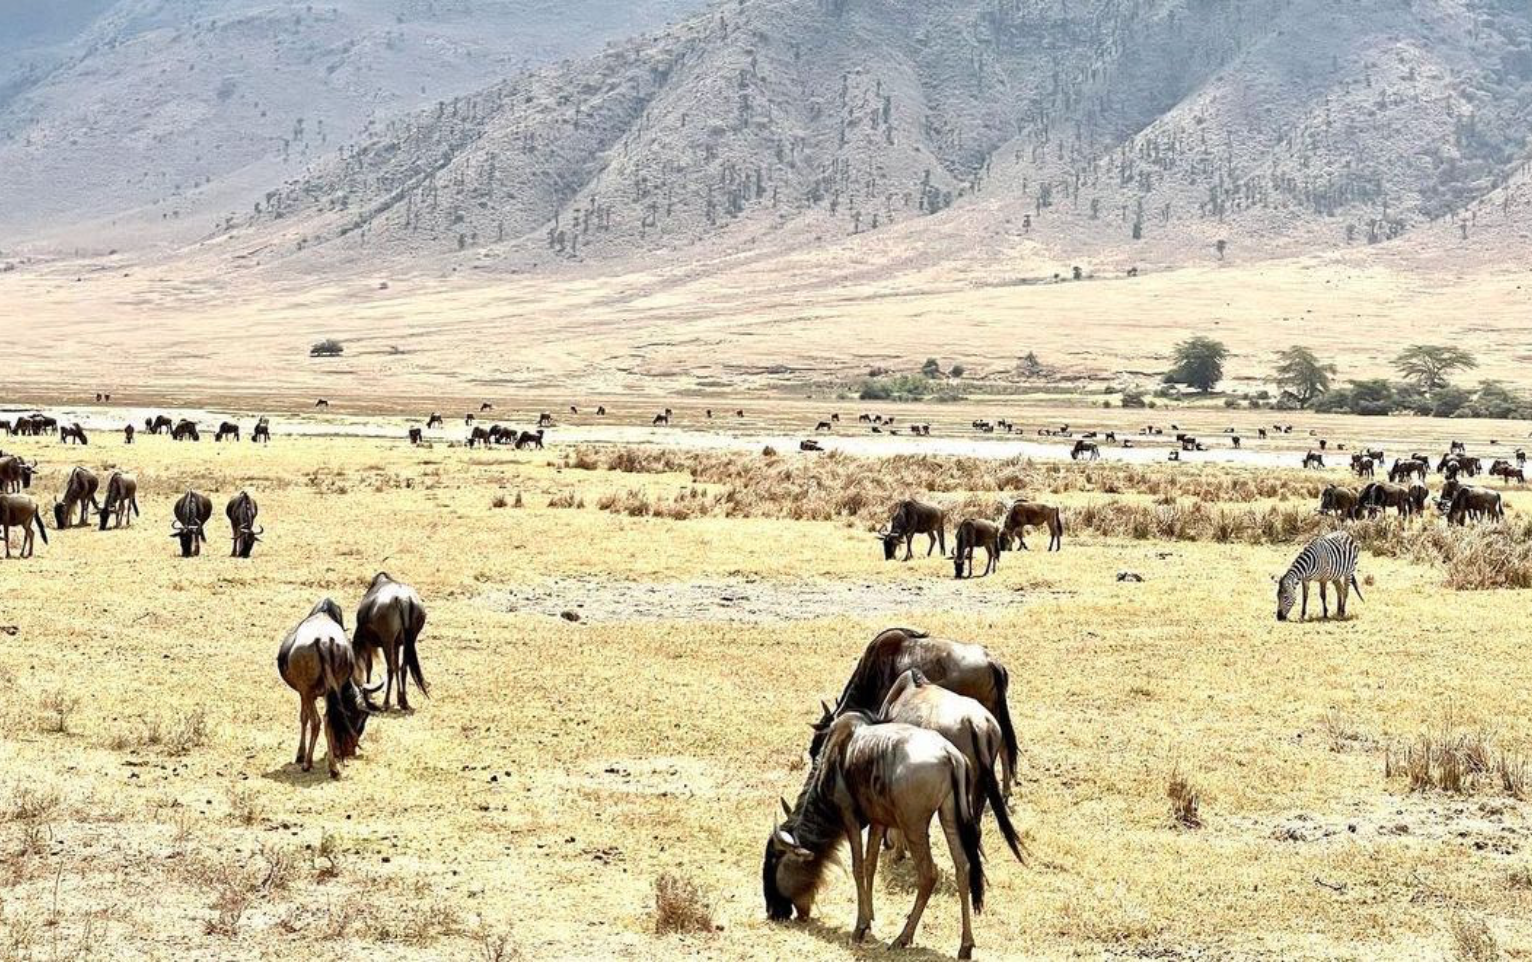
[
  {"x": 1126, "y": 576},
  {"x": 569, "y": 615}
]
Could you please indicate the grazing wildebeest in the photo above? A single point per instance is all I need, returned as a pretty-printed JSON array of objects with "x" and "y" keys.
[
  {"x": 21, "y": 510},
  {"x": 1405, "y": 468},
  {"x": 1338, "y": 501},
  {"x": 910, "y": 519},
  {"x": 1472, "y": 501},
  {"x": 530, "y": 440},
  {"x": 226, "y": 430},
  {"x": 185, "y": 429},
  {"x": 1419, "y": 496},
  {"x": 661, "y": 419},
  {"x": 190, "y": 524},
  {"x": 1507, "y": 471},
  {"x": 416, "y": 435},
  {"x": 478, "y": 435},
  {"x": 389, "y": 621},
  {"x": 73, "y": 433},
  {"x": 1023, "y": 514},
  {"x": 1378, "y": 496},
  {"x": 16, "y": 473},
  {"x": 973, "y": 534},
  {"x": 435, "y": 421},
  {"x": 1085, "y": 450},
  {"x": 1362, "y": 465},
  {"x": 317, "y": 662},
  {"x": 79, "y": 493},
  {"x": 545, "y": 420},
  {"x": 158, "y": 424},
  {"x": 810, "y": 445},
  {"x": 322, "y": 403},
  {"x": 1313, "y": 460},
  {"x": 121, "y": 500},
  {"x": 824, "y": 427},
  {"x": 262, "y": 431},
  {"x": 127, "y": 434},
  {"x": 600, "y": 409},
  {"x": 1329, "y": 558},
  {"x": 967, "y": 725},
  {"x": 486, "y": 407},
  {"x": 241, "y": 512},
  {"x": 882, "y": 776}
]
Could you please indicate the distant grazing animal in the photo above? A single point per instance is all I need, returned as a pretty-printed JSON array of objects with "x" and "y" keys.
[
  {"x": 185, "y": 429},
  {"x": 262, "y": 431},
  {"x": 529, "y": 440},
  {"x": 388, "y": 622},
  {"x": 661, "y": 419},
  {"x": 1236, "y": 440},
  {"x": 1086, "y": 450},
  {"x": 226, "y": 430},
  {"x": 809, "y": 445},
  {"x": 1313, "y": 460},
  {"x": 322, "y": 403},
  {"x": 79, "y": 494},
  {"x": 1362, "y": 465},
  {"x": 739, "y": 413},
  {"x": 1507, "y": 471},
  {"x": 22, "y": 511},
  {"x": 545, "y": 420},
  {"x": 1404, "y": 469},
  {"x": 1261, "y": 433},
  {"x": 120, "y": 504},
  {"x": 73, "y": 433},
  {"x": 1023, "y": 514},
  {"x": 574, "y": 410},
  {"x": 5, "y": 423},
  {"x": 486, "y": 407},
  {"x": 1327, "y": 559},
  {"x": 1338, "y": 501},
  {"x": 435, "y": 421},
  {"x": 468, "y": 419},
  {"x": 16, "y": 473},
  {"x": 317, "y": 661},
  {"x": 824, "y": 427},
  {"x": 158, "y": 424},
  {"x": 241, "y": 512},
  {"x": 416, "y": 435},
  {"x": 1473, "y": 502},
  {"x": 882, "y": 776},
  {"x": 127, "y": 434},
  {"x": 912, "y": 518},
  {"x": 973, "y": 534},
  {"x": 1419, "y": 496},
  {"x": 600, "y": 409},
  {"x": 478, "y": 435},
  {"x": 190, "y": 524}
]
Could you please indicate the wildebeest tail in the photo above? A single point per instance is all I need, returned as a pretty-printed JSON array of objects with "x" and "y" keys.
[
  {"x": 1056, "y": 525},
  {"x": 1003, "y": 717},
  {"x": 133, "y": 504},
  {"x": 968, "y": 833},
  {"x": 990, "y": 787},
  {"x": 415, "y": 622},
  {"x": 345, "y": 713},
  {"x": 37, "y": 517}
]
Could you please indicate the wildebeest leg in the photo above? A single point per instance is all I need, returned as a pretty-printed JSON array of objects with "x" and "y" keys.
[
  {"x": 863, "y": 897},
  {"x": 949, "y": 818},
  {"x": 332, "y": 749},
  {"x": 303, "y": 730},
  {"x": 909, "y": 547},
  {"x": 870, "y": 865},
  {"x": 919, "y": 841},
  {"x": 391, "y": 661},
  {"x": 932, "y": 547}
]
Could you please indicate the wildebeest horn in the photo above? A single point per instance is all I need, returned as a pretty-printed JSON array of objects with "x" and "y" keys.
[
  {"x": 785, "y": 808},
  {"x": 826, "y": 707},
  {"x": 373, "y": 689}
]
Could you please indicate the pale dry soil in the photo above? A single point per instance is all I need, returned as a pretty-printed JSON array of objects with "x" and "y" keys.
[{"x": 528, "y": 805}]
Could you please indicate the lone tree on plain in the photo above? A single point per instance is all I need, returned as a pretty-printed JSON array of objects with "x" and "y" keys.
[
  {"x": 329, "y": 348},
  {"x": 1427, "y": 366},
  {"x": 1198, "y": 364},
  {"x": 1300, "y": 373}
]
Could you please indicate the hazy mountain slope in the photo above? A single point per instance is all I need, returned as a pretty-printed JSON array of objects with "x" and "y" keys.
[
  {"x": 160, "y": 115},
  {"x": 1086, "y": 124}
]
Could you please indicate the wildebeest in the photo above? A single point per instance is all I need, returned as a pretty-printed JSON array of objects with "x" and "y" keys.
[
  {"x": 1419, "y": 496},
  {"x": 478, "y": 435},
  {"x": 121, "y": 501},
  {"x": 973, "y": 534},
  {"x": 316, "y": 660},
  {"x": 435, "y": 421},
  {"x": 661, "y": 419},
  {"x": 158, "y": 424},
  {"x": 1313, "y": 460},
  {"x": 192, "y": 511},
  {"x": 322, "y": 403},
  {"x": 21, "y": 510},
  {"x": 964, "y": 721},
  {"x": 1507, "y": 471},
  {"x": 824, "y": 427},
  {"x": 73, "y": 433},
  {"x": 389, "y": 621},
  {"x": 1362, "y": 465},
  {"x": 1472, "y": 501},
  {"x": 16, "y": 473},
  {"x": 1023, "y": 514},
  {"x": 1378, "y": 496},
  {"x": 1085, "y": 450},
  {"x": 882, "y": 776},
  {"x": 226, "y": 430},
  {"x": 486, "y": 407},
  {"x": 545, "y": 420},
  {"x": 416, "y": 435},
  {"x": 600, "y": 409},
  {"x": 1338, "y": 501},
  {"x": 912, "y": 518},
  {"x": 127, "y": 434},
  {"x": 79, "y": 493},
  {"x": 185, "y": 429},
  {"x": 241, "y": 512},
  {"x": 1405, "y": 468},
  {"x": 810, "y": 445},
  {"x": 1327, "y": 559},
  {"x": 530, "y": 440}
]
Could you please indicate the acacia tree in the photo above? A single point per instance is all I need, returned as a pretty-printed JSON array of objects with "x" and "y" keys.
[
  {"x": 1427, "y": 366},
  {"x": 1300, "y": 373},
  {"x": 1198, "y": 364}
]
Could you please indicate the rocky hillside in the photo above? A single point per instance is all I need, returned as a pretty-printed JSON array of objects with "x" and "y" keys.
[
  {"x": 127, "y": 120},
  {"x": 1085, "y": 124}
]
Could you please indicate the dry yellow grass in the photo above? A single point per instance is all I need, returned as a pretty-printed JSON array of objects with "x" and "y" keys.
[{"x": 149, "y": 806}]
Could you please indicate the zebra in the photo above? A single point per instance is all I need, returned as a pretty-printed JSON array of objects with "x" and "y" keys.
[{"x": 1328, "y": 558}]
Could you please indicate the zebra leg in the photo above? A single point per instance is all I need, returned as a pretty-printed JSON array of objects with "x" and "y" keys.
[
  {"x": 1342, "y": 589},
  {"x": 1304, "y": 612},
  {"x": 1324, "y": 601}
]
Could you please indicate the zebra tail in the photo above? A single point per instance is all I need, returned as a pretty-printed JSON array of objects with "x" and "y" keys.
[{"x": 1357, "y": 588}]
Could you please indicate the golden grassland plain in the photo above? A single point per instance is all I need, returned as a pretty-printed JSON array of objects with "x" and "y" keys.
[{"x": 562, "y": 774}]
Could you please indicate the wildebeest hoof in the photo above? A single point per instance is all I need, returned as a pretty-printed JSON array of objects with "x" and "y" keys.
[
  {"x": 965, "y": 953},
  {"x": 900, "y": 942},
  {"x": 307, "y": 766}
]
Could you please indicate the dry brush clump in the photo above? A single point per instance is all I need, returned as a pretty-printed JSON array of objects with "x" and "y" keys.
[
  {"x": 680, "y": 907},
  {"x": 1185, "y": 800},
  {"x": 1473, "y": 940},
  {"x": 1455, "y": 759}
]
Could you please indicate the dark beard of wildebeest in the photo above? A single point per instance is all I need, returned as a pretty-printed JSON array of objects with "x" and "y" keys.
[
  {"x": 20, "y": 510},
  {"x": 910, "y": 519},
  {"x": 973, "y": 534},
  {"x": 226, "y": 430},
  {"x": 389, "y": 621},
  {"x": 883, "y": 776},
  {"x": 1024, "y": 514},
  {"x": 316, "y": 660},
  {"x": 15, "y": 474},
  {"x": 964, "y": 668},
  {"x": 1471, "y": 501},
  {"x": 190, "y": 524},
  {"x": 241, "y": 512},
  {"x": 79, "y": 492},
  {"x": 121, "y": 500}
]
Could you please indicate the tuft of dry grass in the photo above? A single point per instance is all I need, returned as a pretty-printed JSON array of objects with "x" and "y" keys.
[
  {"x": 58, "y": 706},
  {"x": 1185, "y": 800},
  {"x": 1473, "y": 940},
  {"x": 245, "y": 807},
  {"x": 1453, "y": 759},
  {"x": 177, "y": 737},
  {"x": 679, "y": 906}
]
